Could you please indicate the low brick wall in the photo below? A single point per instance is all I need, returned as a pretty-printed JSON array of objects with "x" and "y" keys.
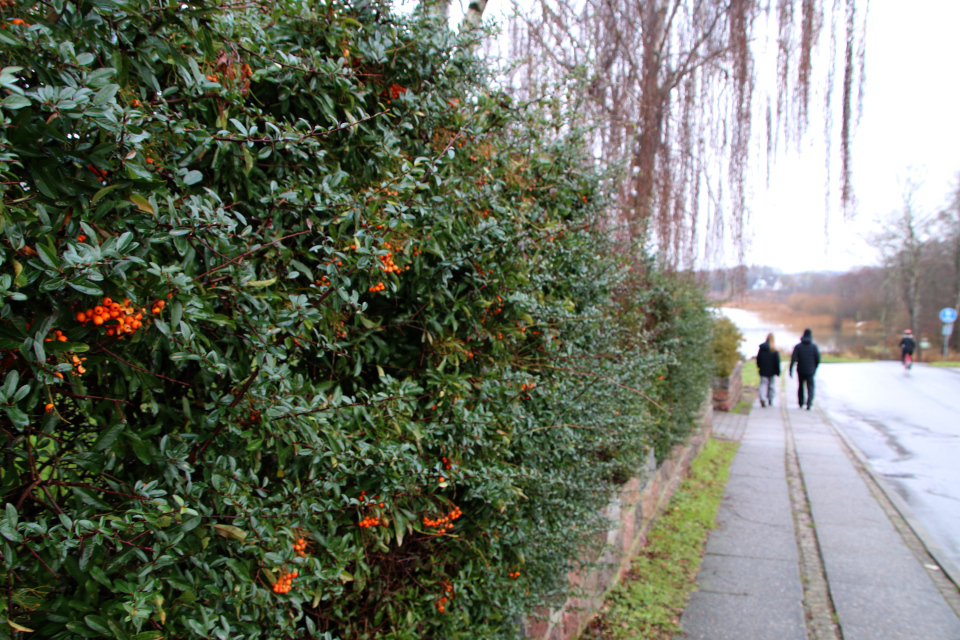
[
  {"x": 726, "y": 391},
  {"x": 631, "y": 513}
]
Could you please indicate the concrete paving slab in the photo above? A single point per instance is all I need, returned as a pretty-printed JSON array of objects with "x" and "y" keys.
[
  {"x": 753, "y": 461},
  {"x": 736, "y": 536},
  {"x": 745, "y": 576},
  {"x": 749, "y": 582},
  {"x": 717, "y": 616},
  {"x": 846, "y": 539},
  {"x": 878, "y": 588},
  {"x": 890, "y": 612}
]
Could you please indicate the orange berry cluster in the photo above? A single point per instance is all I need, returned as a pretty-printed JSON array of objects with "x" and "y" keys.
[
  {"x": 77, "y": 361},
  {"x": 212, "y": 78},
  {"x": 300, "y": 546},
  {"x": 446, "y": 463},
  {"x": 389, "y": 266},
  {"x": 128, "y": 318},
  {"x": 448, "y": 595},
  {"x": 99, "y": 173},
  {"x": 446, "y": 522},
  {"x": 284, "y": 582},
  {"x": 18, "y": 21},
  {"x": 394, "y": 92},
  {"x": 324, "y": 281},
  {"x": 58, "y": 335},
  {"x": 156, "y": 166},
  {"x": 370, "y": 521},
  {"x": 377, "y": 288},
  {"x": 363, "y": 498},
  {"x": 515, "y": 574}
]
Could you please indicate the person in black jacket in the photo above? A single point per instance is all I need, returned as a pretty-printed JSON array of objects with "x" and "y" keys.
[
  {"x": 768, "y": 362},
  {"x": 907, "y": 345},
  {"x": 806, "y": 356}
]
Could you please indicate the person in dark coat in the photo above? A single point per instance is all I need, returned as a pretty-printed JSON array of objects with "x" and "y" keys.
[
  {"x": 768, "y": 362},
  {"x": 907, "y": 345},
  {"x": 806, "y": 356}
]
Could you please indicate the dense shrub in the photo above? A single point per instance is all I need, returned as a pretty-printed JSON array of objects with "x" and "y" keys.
[
  {"x": 305, "y": 331},
  {"x": 726, "y": 345}
]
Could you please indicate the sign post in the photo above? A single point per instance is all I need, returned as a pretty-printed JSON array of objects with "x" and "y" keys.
[{"x": 947, "y": 316}]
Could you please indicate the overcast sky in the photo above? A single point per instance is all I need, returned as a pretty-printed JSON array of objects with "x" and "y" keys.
[
  {"x": 909, "y": 120},
  {"x": 909, "y": 124}
]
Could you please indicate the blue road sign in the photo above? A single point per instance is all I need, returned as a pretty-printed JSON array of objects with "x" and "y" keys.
[{"x": 948, "y": 315}]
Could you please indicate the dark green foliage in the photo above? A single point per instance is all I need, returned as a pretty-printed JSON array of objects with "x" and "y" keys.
[
  {"x": 726, "y": 345},
  {"x": 259, "y": 171}
]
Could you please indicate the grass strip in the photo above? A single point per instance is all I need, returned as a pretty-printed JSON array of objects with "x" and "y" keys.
[
  {"x": 648, "y": 602},
  {"x": 842, "y": 359},
  {"x": 944, "y": 364},
  {"x": 749, "y": 374}
]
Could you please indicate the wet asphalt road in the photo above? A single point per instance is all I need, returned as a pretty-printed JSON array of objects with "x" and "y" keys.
[{"x": 908, "y": 426}]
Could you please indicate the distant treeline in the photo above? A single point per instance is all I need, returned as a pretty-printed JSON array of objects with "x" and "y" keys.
[{"x": 874, "y": 295}]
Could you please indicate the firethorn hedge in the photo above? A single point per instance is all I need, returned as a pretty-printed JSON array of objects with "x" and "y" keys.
[{"x": 306, "y": 330}]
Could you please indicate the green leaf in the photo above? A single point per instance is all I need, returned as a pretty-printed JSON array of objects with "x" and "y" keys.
[
  {"x": 109, "y": 436},
  {"x": 19, "y": 627},
  {"x": 15, "y": 101},
  {"x": 230, "y": 532},
  {"x": 192, "y": 177},
  {"x": 98, "y": 624},
  {"x": 17, "y": 417},
  {"x": 142, "y": 203},
  {"x": 48, "y": 254},
  {"x": 105, "y": 95},
  {"x": 85, "y": 287},
  {"x": 102, "y": 192},
  {"x": 260, "y": 283},
  {"x": 399, "y": 529},
  {"x": 100, "y": 576}
]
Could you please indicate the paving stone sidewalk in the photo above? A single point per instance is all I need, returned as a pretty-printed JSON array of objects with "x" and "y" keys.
[{"x": 749, "y": 585}]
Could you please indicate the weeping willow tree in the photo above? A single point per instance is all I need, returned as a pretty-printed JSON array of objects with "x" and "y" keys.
[{"x": 668, "y": 88}]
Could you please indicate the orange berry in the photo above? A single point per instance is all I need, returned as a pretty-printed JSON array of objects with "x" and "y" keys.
[
  {"x": 48, "y": 408},
  {"x": 97, "y": 320},
  {"x": 81, "y": 317}
]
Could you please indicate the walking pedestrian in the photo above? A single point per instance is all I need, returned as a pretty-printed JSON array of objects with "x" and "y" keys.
[
  {"x": 768, "y": 362},
  {"x": 806, "y": 356}
]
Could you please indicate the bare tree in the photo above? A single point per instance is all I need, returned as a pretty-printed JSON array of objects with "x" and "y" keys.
[
  {"x": 902, "y": 243},
  {"x": 668, "y": 88},
  {"x": 949, "y": 226}
]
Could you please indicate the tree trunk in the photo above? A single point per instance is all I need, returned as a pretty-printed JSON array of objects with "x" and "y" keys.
[
  {"x": 650, "y": 136},
  {"x": 474, "y": 12}
]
